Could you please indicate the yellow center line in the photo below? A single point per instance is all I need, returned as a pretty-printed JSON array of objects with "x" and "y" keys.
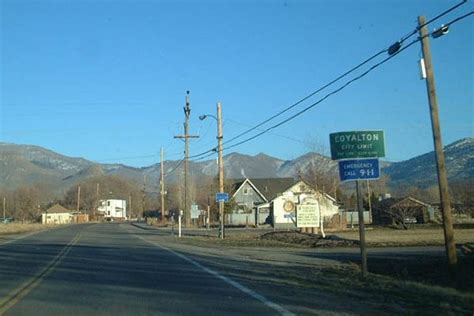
[{"x": 21, "y": 291}]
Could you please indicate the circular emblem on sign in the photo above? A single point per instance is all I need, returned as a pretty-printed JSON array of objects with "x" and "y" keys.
[{"x": 288, "y": 206}]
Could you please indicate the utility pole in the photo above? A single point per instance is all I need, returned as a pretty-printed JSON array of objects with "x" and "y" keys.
[
  {"x": 220, "y": 137},
  {"x": 130, "y": 206},
  {"x": 186, "y": 137},
  {"x": 143, "y": 195},
  {"x": 208, "y": 219},
  {"x": 97, "y": 197},
  {"x": 162, "y": 183},
  {"x": 78, "y": 198},
  {"x": 4, "y": 207},
  {"x": 440, "y": 161},
  {"x": 369, "y": 201}
]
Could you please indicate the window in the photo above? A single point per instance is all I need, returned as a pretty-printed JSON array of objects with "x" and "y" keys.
[
  {"x": 246, "y": 191},
  {"x": 108, "y": 204}
]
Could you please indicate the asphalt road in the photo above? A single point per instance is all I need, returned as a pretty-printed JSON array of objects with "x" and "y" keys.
[
  {"x": 120, "y": 269},
  {"x": 112, "y": 269}
]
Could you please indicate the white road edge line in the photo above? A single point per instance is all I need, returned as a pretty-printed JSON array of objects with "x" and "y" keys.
[
  {"x": 255, "y": 295},
  {"x": 20, "y": 237}
]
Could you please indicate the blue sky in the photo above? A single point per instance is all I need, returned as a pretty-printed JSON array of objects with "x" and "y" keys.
[{"x": 106, "y": 80}]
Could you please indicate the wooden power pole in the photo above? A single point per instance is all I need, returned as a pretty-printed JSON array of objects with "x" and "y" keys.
[
  {"x": 186, "y": 137},
  {"x": 360, "y": 209},
  {"x": 98, "y": 201},
  {"x": 130, "y": 206},
  {"x": 78, "y": 198},
  {"x": 143, "y": 196},
  {"x": 162, "y": 183},
  {"x": 440, "y": 161},
  {"x": 220, "y": 137}
]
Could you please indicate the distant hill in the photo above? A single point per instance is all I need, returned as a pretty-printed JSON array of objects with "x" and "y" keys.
[
  {"x": 421, "y": 170},
  {"x": 26, "y": 164}
]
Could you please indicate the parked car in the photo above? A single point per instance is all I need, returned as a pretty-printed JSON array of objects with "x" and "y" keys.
[{"x": 410, "y": 220}]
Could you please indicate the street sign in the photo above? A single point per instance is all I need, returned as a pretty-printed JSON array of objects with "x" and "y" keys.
[
  {"x": 357, "y": 144},
  {"x": 195, "y": 211},
  {"x": 359, "y": 169},
  {"x": 307, "y": 216},
  {"x": 222, "y": 196}
]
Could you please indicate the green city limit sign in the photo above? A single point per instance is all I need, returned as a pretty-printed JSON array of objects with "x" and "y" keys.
[{"x": 357, "y": 144}]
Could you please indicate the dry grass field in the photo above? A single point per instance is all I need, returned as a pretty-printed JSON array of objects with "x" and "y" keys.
[
  {"x": 382, "y": 237},
  {"x": 17, "y": 228},
  {"x": 375, "y": 237}
]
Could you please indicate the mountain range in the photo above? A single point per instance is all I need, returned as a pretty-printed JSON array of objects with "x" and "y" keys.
[{"x": 26, "y": 164}]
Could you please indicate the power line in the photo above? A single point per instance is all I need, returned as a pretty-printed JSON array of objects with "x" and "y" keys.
[
  {"x": 459, "y": 18},
  {"x": 329, "y": 84},
  {"x": 441, "y": 15},
  {"x": 324, "y": 98},
  {"x": 338, "y": 78},
  {"x": 432, "y": 20},
  {"x": 276, "y": 134},
  {"x": 294, "y": 104},
  {"x": 214, "y": 150},
  {"x": 206, "y": 156},
  {"x": 175, "y": 168},
  {"x": 308, "y": 96},
  {"x": 345, "y": 85}
]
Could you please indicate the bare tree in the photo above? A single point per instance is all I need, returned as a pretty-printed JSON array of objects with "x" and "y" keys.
[
  {"x": 320, "y": 173},
  {"x": 403, "y": 216},
  {"x": 110, "y": 187},
  {"x": 26, "y": 204},
  {"x": 462, "y": 196}
]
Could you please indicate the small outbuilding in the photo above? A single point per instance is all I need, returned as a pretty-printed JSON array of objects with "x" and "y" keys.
[
  {"x": 407, "y": 210},
  {"x": 57, "y": 214}
]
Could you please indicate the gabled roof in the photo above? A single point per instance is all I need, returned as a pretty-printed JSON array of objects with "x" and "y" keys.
[
  {"x": 386, "y": 204},
  {"x": 309, "y": 188},
  {"x": 267, "y": 188},
  {"x": 271, "y": 187},
  {"x": 409, "y": 199},
  {"x": 240, "y": 184},
  {"x": 56, "y": 208}
]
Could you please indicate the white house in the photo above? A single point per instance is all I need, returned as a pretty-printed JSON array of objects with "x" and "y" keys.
[
  {"x": 285, "y": 205},
  {"x": 57, "y": 214},
  {"x": 113, "y": 209}
]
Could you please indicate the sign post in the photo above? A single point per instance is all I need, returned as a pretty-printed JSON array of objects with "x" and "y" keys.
[
  {"x": 349, "y": 148},
  {"x": 179, "y": 223},
  {"x": 195, "y": 212}
]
